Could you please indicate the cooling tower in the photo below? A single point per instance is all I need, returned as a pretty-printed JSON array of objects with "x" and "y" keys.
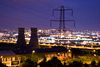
[
  {"x": 34, "y": 38},
  {"x": 21, "y": 43}
]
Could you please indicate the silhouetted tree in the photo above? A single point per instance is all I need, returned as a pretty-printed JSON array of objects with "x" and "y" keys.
[
  {"x": 98, "y": 65},
  {"x": 93, "y": 64},
  {"x": 75, "y": 64},
  {"x": 54, "y": 62},
  {"x": 64, "y": 65},
  {"x": 86, "y": 65},
  {"x": 28, "y": 63},
  {"x": 2, "y": 65},
  {"x": 43, "y": 63}
]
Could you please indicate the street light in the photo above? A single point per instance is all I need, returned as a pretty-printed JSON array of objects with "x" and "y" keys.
[
  {"x": 1, "y": 56},
  {"x": 94, "y": 54},
  {"x": 33, "y": 51},
  {"x": 69, "y": 50},
  {"x": 94, "y": 50}
]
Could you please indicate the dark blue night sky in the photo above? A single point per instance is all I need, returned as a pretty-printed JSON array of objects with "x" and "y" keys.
[{"x": 37, "y": 13}]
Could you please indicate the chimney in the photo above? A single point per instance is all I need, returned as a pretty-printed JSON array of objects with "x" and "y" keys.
[
  {"x": 34, "y": 38},
  {"x": 21, "y": 43}
]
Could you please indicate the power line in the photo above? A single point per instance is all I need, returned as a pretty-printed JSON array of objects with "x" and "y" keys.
[{"x": 62, "y": 19}]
